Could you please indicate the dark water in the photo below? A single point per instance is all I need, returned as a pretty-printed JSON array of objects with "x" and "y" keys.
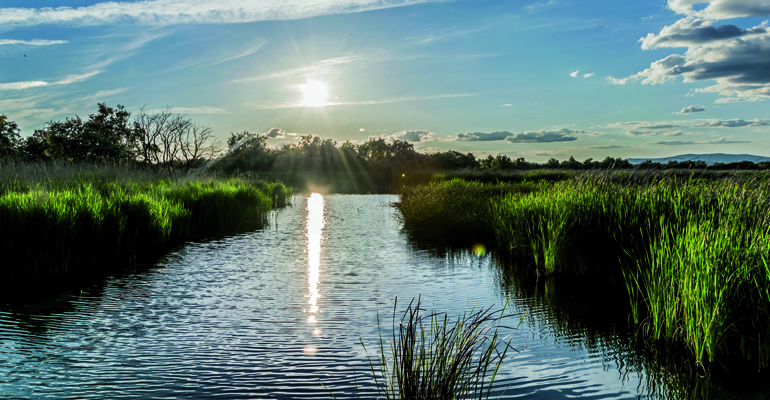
[{"x": 275, "y": 313}]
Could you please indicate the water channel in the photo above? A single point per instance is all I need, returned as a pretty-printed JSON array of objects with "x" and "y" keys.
[{"x": 277, "y": 312}]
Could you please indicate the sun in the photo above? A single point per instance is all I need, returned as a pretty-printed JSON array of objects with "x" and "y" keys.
[{"x": 314, "y": 93}]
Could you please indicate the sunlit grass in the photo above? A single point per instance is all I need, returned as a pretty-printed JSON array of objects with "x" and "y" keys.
[
  {"x": 693, "y": 253},
  {"x": 58, "y": 220},
  {"x": 430, "y": 358}
]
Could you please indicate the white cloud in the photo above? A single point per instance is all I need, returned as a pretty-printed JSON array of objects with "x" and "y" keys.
[
  {"x": 589, "y": 75},
  {"x": 736, "y": 123},
  {"x": 482, "y": 136},
  {"x": 414, "y": 136},
  {"x": 362, "y": 130},
  {"x": 75, "y": 78},
  {"x": 646, "y": 125},
  {"x": 736, "y": 59},
  {"x": 507, "y": 105},
  {"x": 251, "y": 50},
  {"x": 695, "y": 32},
  {"x": 660, "y": 71},
  {"x": 574, "y": 74},
  {"x": 275, "y": 133},
  {"x": 21, "y": 85},
  {"x": 540, "y": 136},
  {"x": 639, "y": 132},
  {"x": 449, "y": 33},
  {"x": 100, "y": 95},
  {"x": 738, "y": 99},
  {"x": 608, "y": 147},
  {"x": 542, "y": 5},
  {"x": 721, "y": 9},
  {"x": 723, "y": 140},
  {"x": 549, "y": 135},
  {"x": 33, "y": 42},
  {"x": 166, "y": 12},
  {"x": 690, "y": 110}
]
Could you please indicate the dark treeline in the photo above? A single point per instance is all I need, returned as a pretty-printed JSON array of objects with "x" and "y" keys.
[
  {"x": 162, "y": 140},
  {"x": 171, "y": 142}
]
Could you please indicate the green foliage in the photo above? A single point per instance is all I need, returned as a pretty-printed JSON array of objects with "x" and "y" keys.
[
  {"x": 105, "y": 136},
  {"x": 71, "y": 220},
  {"x": 452, "y": 210},
  {"x": 9, "y": 137},
  {"x": 692, "y": 252},
  {"x": 433, "y": 359}
]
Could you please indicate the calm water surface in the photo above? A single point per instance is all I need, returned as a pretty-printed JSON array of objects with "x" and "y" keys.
[{"x": 276, "y": 312}]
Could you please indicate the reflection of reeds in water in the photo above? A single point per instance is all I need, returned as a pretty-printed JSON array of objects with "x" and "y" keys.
[
  {"x": 591, "y": 316},
  {"x": 433, "y": 359}
]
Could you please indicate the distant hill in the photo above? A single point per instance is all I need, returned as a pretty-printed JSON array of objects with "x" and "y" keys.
[{"x": 708, "y": 158}]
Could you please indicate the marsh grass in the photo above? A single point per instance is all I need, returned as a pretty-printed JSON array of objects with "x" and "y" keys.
[
  {"x": 691, "y": 252},
  {"x": 452, "y": 211},
  {"x": 432, "y": 358},
  {"x": 61, "y": 220}
]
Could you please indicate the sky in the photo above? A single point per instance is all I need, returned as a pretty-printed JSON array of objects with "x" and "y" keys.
[{"x": 534, "y": 79}]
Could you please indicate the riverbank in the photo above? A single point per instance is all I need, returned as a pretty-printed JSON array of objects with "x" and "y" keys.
[
  {"x": 68, "y": 220},
  {"x": 691, "y": 253}
]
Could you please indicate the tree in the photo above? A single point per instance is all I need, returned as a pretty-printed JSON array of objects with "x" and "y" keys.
[
  {"x": 196, "y": 144},
  {"x": 247, "y": 152},
  {"x": 9, "y": 137},
  {"x": 172, "y": 142},
  {"x": 106, "y": 136},
  {"x": 501, "y": 162},
  {"x": 451, "y": 159}
]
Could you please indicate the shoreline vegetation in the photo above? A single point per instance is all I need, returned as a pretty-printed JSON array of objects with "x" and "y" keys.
[
  {"x": 687, "y": 242},
  {"x": 162, "y": 140},
  {"x": 691, "y": 252},
  {"x": 62, "y": 219}
]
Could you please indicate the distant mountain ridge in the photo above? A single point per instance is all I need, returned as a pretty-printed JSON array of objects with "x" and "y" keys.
[{"x": 710, "y": 159}]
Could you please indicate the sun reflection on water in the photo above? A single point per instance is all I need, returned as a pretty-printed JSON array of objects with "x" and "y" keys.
[{"x": 315, "y": 224}]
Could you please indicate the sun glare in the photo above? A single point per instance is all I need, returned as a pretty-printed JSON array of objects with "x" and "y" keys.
[{"x": 314, "y": 93}]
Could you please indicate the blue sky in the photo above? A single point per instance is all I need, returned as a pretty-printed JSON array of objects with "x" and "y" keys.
[{"x": 533, "y": 79}]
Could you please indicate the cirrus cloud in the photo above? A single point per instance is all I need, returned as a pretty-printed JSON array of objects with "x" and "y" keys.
[
  {"x": 21, "y": 85},
  {"x": 33, "y": 42},
  {"x": 168, "y": 12}
]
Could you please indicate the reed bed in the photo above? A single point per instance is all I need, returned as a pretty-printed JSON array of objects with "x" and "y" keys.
[
  {"x": 692, "y": 253},
  {"x": 58, "y": 220},
  {"x": 433, "y": 359}
]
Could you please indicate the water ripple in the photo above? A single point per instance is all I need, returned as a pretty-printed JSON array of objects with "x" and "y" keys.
[{"x": 231, "y": 318}]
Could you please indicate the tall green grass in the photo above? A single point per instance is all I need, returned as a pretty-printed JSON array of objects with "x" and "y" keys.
[
  {"x": 434, "y": 359},
  {"x": 692, "y": 253},
  {"x": 62, "y": 220}
]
